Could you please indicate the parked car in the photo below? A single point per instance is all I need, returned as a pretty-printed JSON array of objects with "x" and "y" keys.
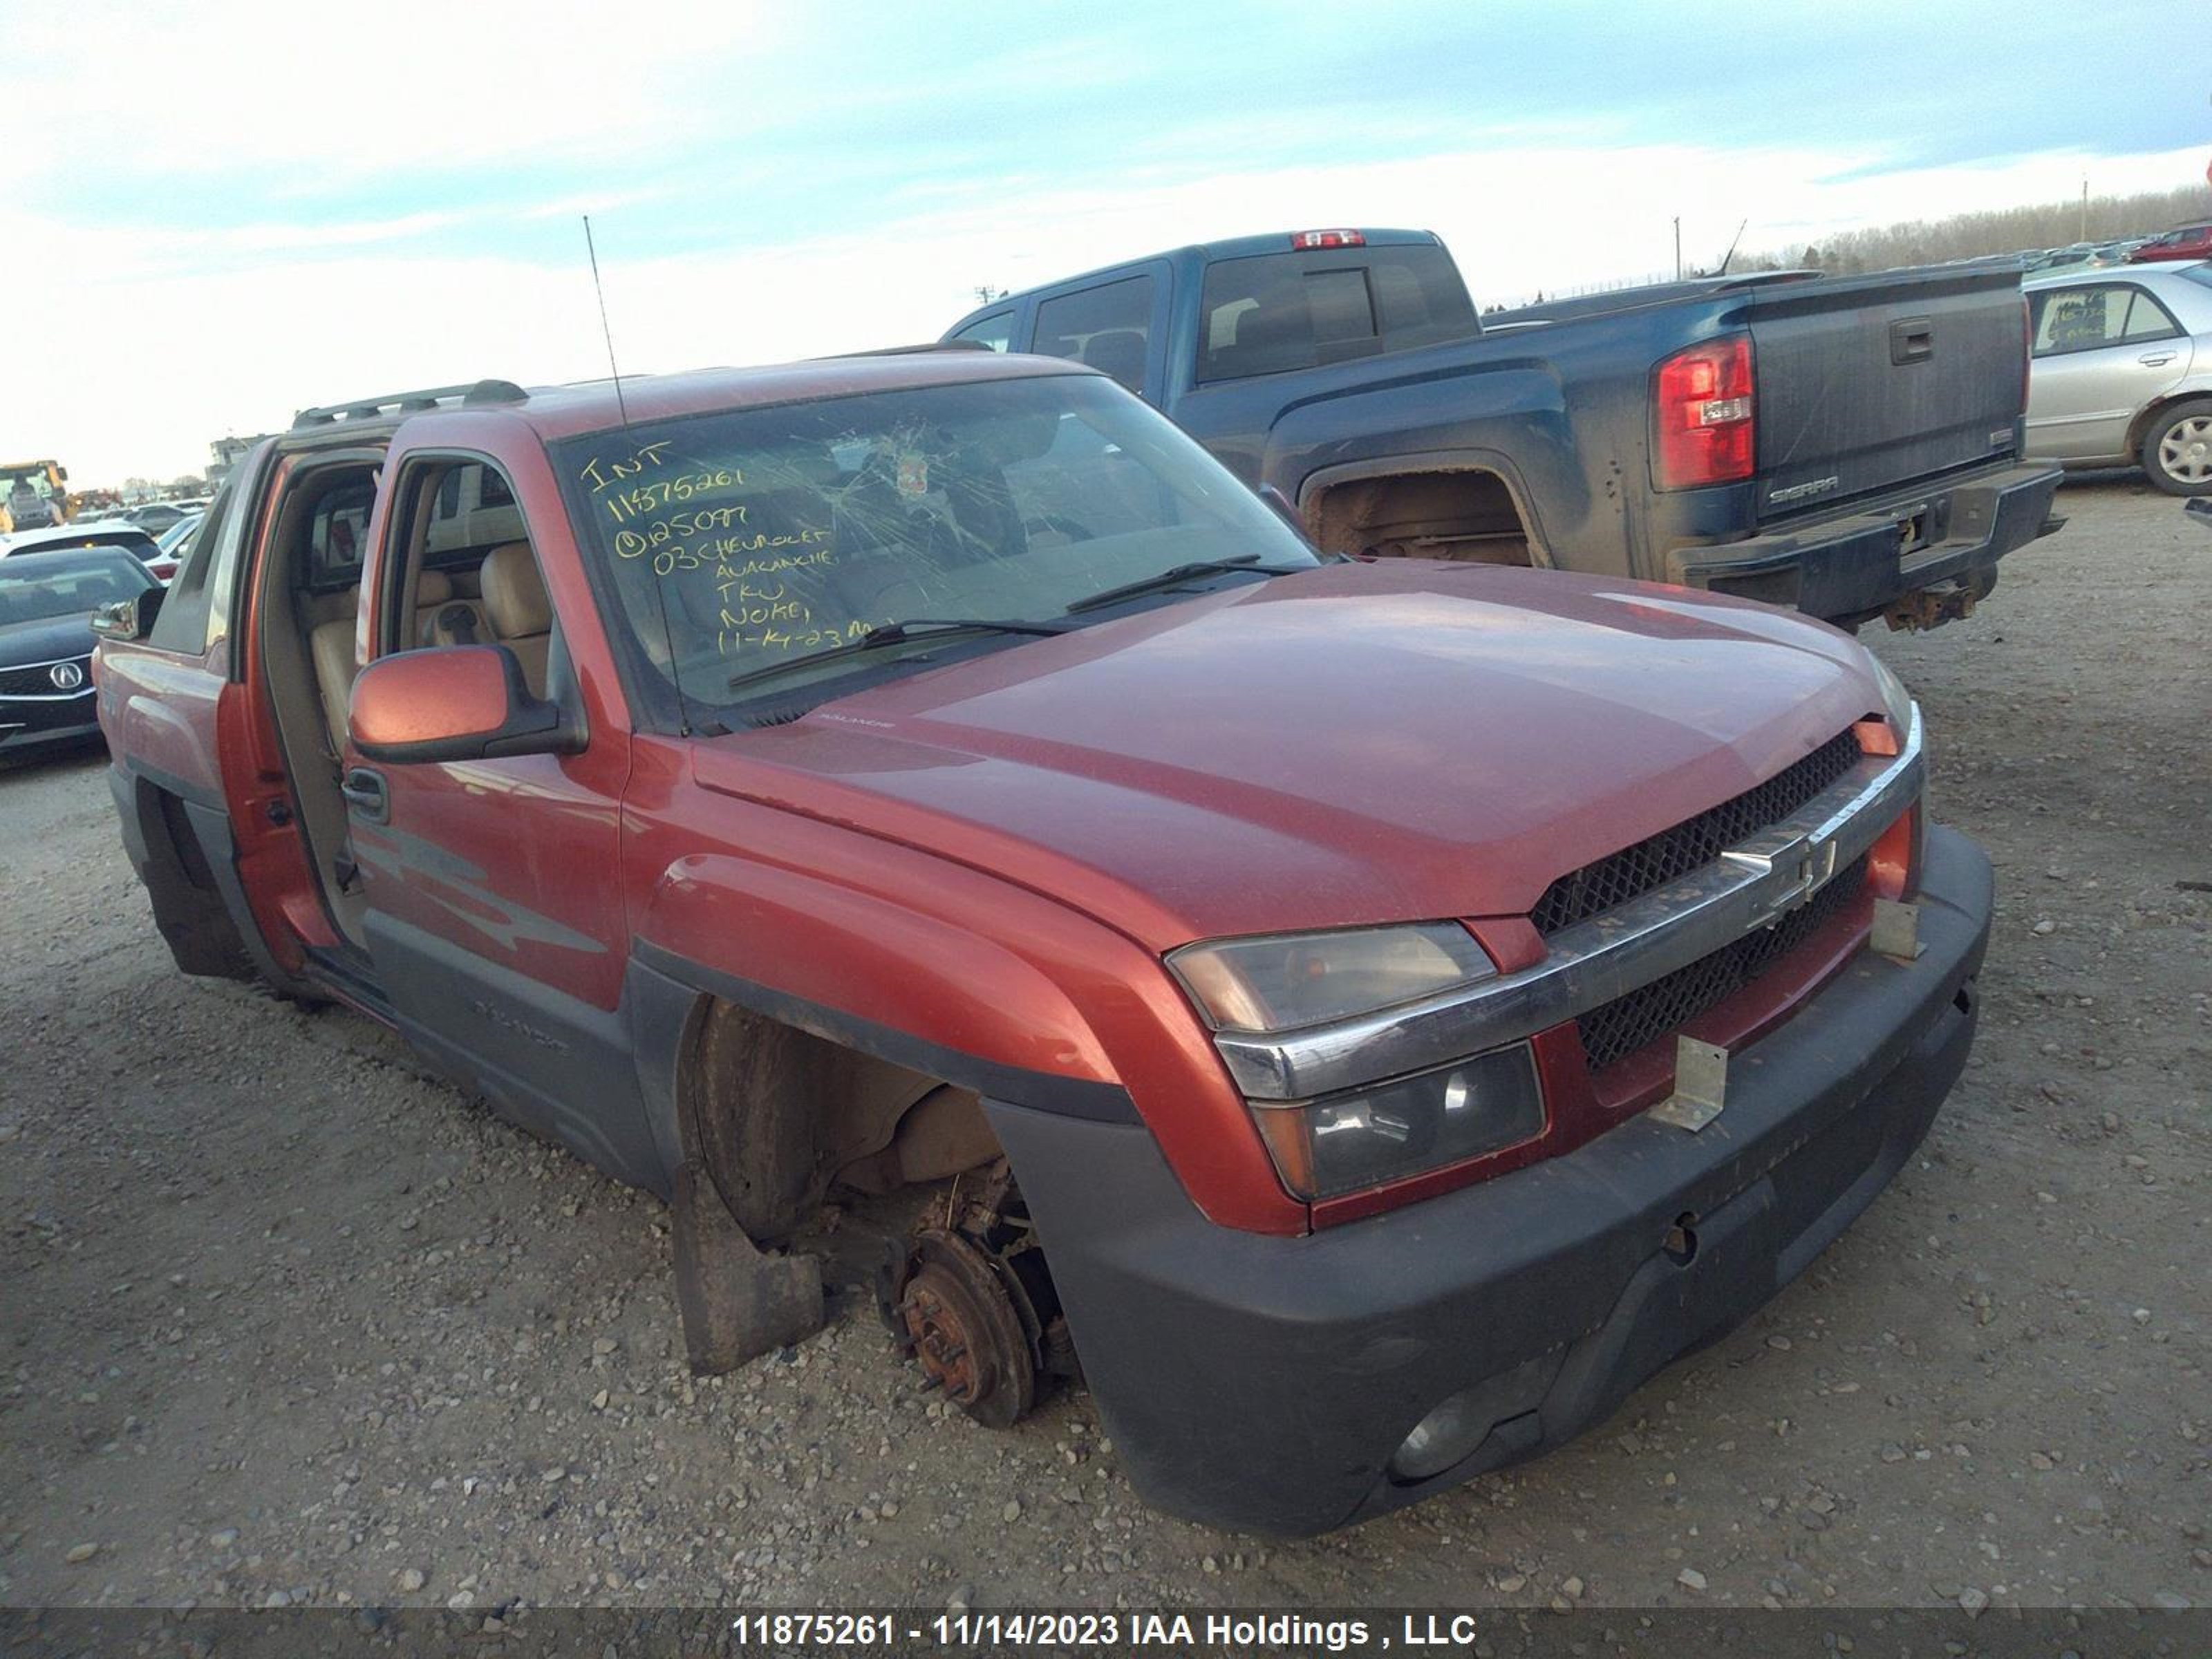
[
  {"x": 46, "y": 604},
  {"x": 2189, "y": 241},
  {"x": 155, "y": 517},
  {"x": 84, "y": 533},
  {"x": 1315, "y": 971},
  {"x": 173, "y": 544},
  {"x": 2121, "y": 373},
  {"x": 1848, "y": 446}
]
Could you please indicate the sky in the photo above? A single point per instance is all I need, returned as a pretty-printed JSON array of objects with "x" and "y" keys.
[{"x": 224, "y": 212}]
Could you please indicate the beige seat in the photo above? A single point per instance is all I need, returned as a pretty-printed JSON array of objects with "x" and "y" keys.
[
  {"x": 330, "y": 648},
  {"x": 521, "y": 612},
  {"x": 443, "y": 617}
]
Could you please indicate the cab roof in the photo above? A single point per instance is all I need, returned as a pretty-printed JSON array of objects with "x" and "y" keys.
[
  {"x": 1206, "y": 253},
  {"x": 563, "y": 411}
]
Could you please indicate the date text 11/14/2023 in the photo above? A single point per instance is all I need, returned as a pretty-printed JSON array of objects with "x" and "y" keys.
[{"x": 1113, "y": 1631}]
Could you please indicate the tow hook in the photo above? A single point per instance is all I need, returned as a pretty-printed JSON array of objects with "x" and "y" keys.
[{"x": 967, "y": 1297}]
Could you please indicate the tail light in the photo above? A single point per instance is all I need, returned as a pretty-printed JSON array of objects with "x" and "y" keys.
[
  {"x": 2026, "y": 348},
  {"x": 1701, "y": 415}
]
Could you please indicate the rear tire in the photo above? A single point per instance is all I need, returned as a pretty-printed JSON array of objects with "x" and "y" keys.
[{"x": 2177, "y": 448}]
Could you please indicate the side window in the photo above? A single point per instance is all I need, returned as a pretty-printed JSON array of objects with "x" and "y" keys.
[
  {"x": 338, "y": 538},
  {"x": 2147, "y": 320},
  {"x": 187, "y": 623},
  {"x": 2072, "y": 320},
  {"x": 2107, "y": 314},
  {"x": 996, "y": 330},
  {"x": 1109, "y": 327},
  {"x": 474, "y": 508},
  {"x": 466, "y": 572}
]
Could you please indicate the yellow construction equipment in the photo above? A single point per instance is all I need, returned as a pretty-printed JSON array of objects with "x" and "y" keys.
[{"x": 34, "y": 495}]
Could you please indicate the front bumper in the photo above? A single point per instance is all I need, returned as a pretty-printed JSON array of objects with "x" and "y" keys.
[
  {"x": 31, "y": 723},
  {"x": 1848, "y": 570},
  {"x": 1264, "y": 1383}
]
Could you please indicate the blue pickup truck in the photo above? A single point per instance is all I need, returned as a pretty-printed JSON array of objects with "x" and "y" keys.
[{"x": 1848, "y": 446}]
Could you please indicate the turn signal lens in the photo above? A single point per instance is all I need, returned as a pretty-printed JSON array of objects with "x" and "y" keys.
[{"x": 1896, "y": 700}]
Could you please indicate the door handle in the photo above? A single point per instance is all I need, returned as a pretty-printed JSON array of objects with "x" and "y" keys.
[
  {"x": 365, "y": 793},
  {"x": 2156, "y": 359}
]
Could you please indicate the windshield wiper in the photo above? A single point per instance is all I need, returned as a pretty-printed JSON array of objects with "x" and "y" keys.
[
  {"x": 897, "y": 633},
  {"x": 1184, "y": 572}
]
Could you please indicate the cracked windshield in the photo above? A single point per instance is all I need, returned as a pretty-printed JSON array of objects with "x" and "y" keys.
[{"x": 741, "y": 546}]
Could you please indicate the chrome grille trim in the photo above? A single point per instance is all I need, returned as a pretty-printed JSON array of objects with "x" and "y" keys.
[
  {"x": 1750, "y": 886},
  {"x": 40, "y": 674}
]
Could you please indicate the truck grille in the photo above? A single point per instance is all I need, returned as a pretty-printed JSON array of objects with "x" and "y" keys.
[
  {"x": 1618, "y": 1029},
  {"x": 37, "y": 681},
  {"x": 1672, "y": 853}
]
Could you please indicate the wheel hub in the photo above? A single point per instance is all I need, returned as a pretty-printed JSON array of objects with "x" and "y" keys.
[
  {"x": 964, "y": 1330},
  {"x": 2185, "y": 451}
]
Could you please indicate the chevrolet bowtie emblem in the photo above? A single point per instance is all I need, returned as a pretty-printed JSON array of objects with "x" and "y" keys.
[{"x": 1790, "y": 876}]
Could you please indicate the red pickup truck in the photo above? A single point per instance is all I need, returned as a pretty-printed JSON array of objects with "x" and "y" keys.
[{"x": 1367, "y": 1015}]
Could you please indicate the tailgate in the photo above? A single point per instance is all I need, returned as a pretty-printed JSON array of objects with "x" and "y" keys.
[{"x": 1868, "y": 384}]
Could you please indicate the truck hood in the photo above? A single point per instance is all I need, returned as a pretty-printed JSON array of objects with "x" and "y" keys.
[{"x": 1361, "y": 743}]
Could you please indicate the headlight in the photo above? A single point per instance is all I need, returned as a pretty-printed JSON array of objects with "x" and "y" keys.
[
  {"x": 1366, "y": 1137},
  {"x": 1896, "y": 700},
  {"x": 1284, "y": 981}
]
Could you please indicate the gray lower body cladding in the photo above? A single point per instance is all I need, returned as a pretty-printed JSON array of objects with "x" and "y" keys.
[{"x": 1264, "y": 1383}]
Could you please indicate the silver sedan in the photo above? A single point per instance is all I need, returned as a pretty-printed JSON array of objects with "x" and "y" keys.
[{"x": 2121, "y": 372}]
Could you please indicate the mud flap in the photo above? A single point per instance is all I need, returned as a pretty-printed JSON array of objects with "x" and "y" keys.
[{"x": 738, "y": 1302}]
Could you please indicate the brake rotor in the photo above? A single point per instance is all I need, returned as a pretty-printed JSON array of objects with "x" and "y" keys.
[{"x": 965, "y": 1330}]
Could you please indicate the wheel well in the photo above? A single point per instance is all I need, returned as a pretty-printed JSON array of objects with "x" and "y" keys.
[
  {"x": 777, "y": 1115},
  {"x": 2155, "y": 412},
  {"x": 1467, "y": 513}
]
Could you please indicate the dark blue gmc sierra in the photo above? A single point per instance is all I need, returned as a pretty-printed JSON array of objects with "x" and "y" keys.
[{"x": 1850, "y": 446}]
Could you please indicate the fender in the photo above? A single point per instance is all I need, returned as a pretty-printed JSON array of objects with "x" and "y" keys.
[
  {"x": 1048, "y": 1009},
  {"x": 1513, "y": 418},
  {"x": 1465, "y": 413}
]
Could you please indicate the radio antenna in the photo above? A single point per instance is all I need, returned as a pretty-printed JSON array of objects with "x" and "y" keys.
[
  {"x": 1730, "y": 254},
  {"x": 659, "y": 588},
  {"x": 591, "y": 250}
]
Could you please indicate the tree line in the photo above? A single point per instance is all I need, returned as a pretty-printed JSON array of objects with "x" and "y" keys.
[{"x": 2000, "y": 230}]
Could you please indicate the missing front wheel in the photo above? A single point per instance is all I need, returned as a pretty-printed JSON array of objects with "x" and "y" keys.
[{"x": 968, "y": 1299}]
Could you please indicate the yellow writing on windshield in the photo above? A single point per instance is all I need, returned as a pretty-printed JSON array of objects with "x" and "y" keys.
[
  {"x": 638, "y": 500},
  {"x": 757, "y": 616},
  {"x": 601, "y": 474},
  {"x": 669, "y": 556},
  {"x": 732, "y": 640}
]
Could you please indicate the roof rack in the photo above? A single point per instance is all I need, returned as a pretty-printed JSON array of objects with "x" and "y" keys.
[{"x": 482, "y": 394}]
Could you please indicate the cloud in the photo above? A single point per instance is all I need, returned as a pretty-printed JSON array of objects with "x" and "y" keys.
[
  {"x": 326, "y": 96},
  {"x": 137, "y": 357}
]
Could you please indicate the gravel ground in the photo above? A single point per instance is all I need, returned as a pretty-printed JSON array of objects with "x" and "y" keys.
[{"x": 286, "y": 1321}]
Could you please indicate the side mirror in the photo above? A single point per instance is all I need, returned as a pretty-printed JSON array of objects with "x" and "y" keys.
[
  {"x": 454, "y": 702},
  {"x": 131, "y": 618}
]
